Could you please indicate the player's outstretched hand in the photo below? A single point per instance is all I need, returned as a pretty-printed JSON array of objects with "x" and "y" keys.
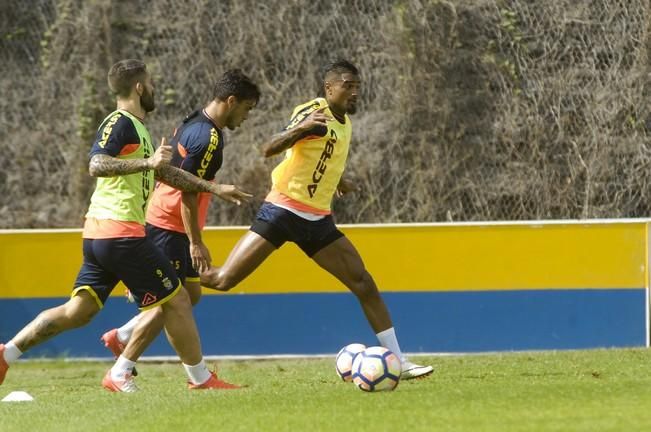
[
  {"x": 231, "y": 194},
  {"x": 316, "y": 118},
  {"x": 345, "y": 186},
  {"x": 200, "y": 255},
  {"x": 162, "y": 156}
]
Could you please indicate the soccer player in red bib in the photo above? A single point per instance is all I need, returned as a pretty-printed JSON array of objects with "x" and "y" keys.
[
  {"x": 175, "y": 219},
  {"x": 298, "y": 207}
]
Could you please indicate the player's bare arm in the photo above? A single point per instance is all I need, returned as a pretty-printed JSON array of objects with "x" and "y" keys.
[
  {"x": 280, "y": 142},
  {"x": 199, "y": 252},
  {"x": 102, "y": 165},
  {"x": 186, "y": 182}
]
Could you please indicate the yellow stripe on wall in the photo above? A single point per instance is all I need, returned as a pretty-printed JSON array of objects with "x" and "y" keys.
[
  {"x": 506, "y": 257},
  {"x": 43, "y": 264},
  {"x": 400, "y": 258}
]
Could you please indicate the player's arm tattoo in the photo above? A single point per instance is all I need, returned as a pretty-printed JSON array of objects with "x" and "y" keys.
[
  {"x": 287, "y": 138},
  {"x": 183, "y": 180},
  {"x": 102, "y": 165},
  {"x": 280, "y": 142}
]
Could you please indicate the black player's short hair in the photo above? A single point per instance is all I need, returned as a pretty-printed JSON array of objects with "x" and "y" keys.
[
  {"x": 339, "y": 66},
  {"x": 235, "y": 83},
  {"x": 124, "y": 74}
]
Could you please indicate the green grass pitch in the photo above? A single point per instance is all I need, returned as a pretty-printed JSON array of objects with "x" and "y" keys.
[{"x": 599, "y": 390}]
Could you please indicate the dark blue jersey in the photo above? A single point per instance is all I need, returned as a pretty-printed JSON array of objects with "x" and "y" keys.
[
  {"x": 116, "y": 136},
  {"x": 198, "y": 146}
]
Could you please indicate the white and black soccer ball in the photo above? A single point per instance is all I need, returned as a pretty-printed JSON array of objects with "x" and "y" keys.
[
  {"x": 376, "y": 369},
  {"x": 344, "y": 360}
]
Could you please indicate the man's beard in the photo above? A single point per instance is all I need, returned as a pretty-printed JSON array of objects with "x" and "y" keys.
[
  {"x": 351, "y": 108},
  {"x": 147, "y": 101}
]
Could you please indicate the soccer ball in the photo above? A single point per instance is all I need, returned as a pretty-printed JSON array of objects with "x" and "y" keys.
[
  {"x": 344, "y": 361},
  {"x": 376, "y": 369}
]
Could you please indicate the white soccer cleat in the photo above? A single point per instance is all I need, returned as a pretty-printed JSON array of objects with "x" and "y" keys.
[
  {"x": 118, "y": 386},
  {"x": 411, "y": 370}
]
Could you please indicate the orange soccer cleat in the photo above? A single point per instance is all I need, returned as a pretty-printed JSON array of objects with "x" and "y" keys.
[
  {"x": 4, "y": 366},
  {"x": 111, "y": 341},
  {"x": 213, "y": 383}
]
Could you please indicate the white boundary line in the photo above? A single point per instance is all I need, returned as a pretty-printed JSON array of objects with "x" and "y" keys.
[
  {"x": 261, "y": 357},
  {"x": 271, "y": 357}
]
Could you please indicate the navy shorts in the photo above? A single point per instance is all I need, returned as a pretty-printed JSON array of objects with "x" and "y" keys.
[
  {"x": 136, "y": 262},
  {"x": 278, "y": 225},
  {"x": 176, "y": 247}
]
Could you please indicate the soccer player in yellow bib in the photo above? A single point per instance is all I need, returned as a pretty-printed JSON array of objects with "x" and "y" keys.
[
  {"x": 298, "y": 209},
  {"x": 115, "y": 247}
]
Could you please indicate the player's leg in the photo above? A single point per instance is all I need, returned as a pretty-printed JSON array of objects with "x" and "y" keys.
[
  {"x": 92, "y": 287},
  {"x": 115, "y": 340},
  {"x": 247, "y": 255},
  {"x": 182, "y": 334},
  {"x": 265, "y": 235},
  {"x": 151, "y": 323},
  {"x": 154, "y": 285},
  {"x": 341, "y": 259},
  {"x": 76, "y": 312},
  {"x": 176, "y": 247},
  {"x": 145, "y": 327},
  {"x": 193, "y": 287}
]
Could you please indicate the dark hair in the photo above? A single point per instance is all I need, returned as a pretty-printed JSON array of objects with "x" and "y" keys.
[
  {"x": 338, "y": 66},
  {"x": 124, "y": 74},
  {"x": 235, "y": 83}
]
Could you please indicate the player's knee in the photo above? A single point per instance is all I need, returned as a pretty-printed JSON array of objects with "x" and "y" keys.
[
  {"x": 182, "y": 299},
  {"x": 79, "y": 317},
  {"x": 79, "y": 312},
  {"x": 227, "y": 281},
  {"x": 180, "y": 303}
]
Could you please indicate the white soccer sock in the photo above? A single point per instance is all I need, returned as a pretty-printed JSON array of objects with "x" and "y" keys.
[
  {"x": 198, "y": 373},
  {"x": 124, "y": 332},
  {"x": 121, "y": 368},
  {"x": 12, "y": 352},
  {"x": 388, "y": 340}
]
